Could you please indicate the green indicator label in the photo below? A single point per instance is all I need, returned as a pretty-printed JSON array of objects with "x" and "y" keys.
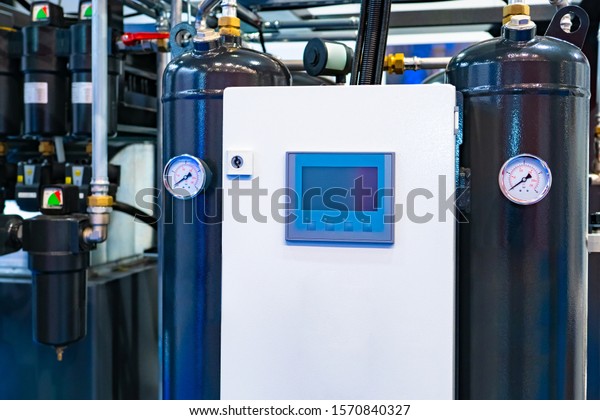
[
  {"x": 52, "y": 198},
  {"x": 40, "y": 12},
  {"x": 88, "y": 12}
]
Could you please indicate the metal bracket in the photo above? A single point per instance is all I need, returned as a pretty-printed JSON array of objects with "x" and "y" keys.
[
  {"x": 181, "y": 39},
  {"x": 576, "y": 38}
]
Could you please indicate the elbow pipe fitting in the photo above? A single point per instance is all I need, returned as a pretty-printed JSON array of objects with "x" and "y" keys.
[
  {"x": 97, "y": 231},
  {"x": 99, "y": 209}
]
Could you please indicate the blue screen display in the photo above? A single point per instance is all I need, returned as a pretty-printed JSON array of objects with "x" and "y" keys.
[
  {"x": 345, "y": 197},
  {"x": 339, "y": 188}
]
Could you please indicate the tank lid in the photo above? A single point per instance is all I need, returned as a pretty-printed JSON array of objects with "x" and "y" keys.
[
  {"x": 206, "y": 35},
  {"x": 520, "y": 28},
  {"x": 520, "y": 22}
]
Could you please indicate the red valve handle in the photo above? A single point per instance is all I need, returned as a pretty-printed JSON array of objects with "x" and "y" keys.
[{"x": 130, "y": 38}]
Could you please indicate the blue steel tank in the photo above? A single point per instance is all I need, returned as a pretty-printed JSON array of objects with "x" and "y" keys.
[
  {"x": 190, "y": 230},
  {"x": 522, "y": 288}
]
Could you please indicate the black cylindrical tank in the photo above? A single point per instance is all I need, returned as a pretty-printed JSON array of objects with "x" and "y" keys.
[
  {"x": 80, "y": 65},
  {"x": 523, "y": 268},
  {"x": 11, "y": 84},
  {"x": 190, "y": 232},
  {"x": 44, "y": 63}
]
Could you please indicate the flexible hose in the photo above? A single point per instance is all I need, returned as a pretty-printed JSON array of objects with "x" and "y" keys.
[
  {"x": 367, "y": 76},
  {"x": 360, "y": 42},
  {"x": 383, "y": 36},
  {"x": 136, "y": 213}
]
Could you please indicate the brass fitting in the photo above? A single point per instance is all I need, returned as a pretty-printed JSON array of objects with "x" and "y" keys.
[
  {"x": 3, "y": 148},
  {"x": 229, "y": 26},
  {"x": 99, "y": 201},
  {"x": 46, "y": 148},
  {"x": 394, "y": 63},
  {"x": 598, "y": 131},
  {"x": 88, "y": 148},
  {"x": 514, "y": 10}
]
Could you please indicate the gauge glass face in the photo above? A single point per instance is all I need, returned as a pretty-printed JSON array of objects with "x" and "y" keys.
[
  {"x": 525, "y": 179},
  {"x": 184, "y": 176}
]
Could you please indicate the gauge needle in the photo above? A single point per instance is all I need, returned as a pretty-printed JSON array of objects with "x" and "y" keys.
[
  {"x": 523, "y": 180},
  {"x": 183, "y": 179}
]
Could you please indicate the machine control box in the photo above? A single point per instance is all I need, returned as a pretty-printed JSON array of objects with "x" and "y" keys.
[{"x": 340, "y": 197}]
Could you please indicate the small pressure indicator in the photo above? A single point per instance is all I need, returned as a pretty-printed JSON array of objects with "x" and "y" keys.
[
  {"x": 186, "y": 176},
  {"x": 525, "y": 179}
]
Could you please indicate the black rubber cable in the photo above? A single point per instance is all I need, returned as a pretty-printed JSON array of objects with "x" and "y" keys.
[
  {"x": 137, "y": 213},
  {"x": 383, "y": 36},
  {"x": 360, "y": 42},
  {"x": 367, "y": 70}
]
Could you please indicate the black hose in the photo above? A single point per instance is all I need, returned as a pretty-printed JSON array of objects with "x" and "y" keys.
[
  {"x": 136, "y": 213},
  {"x": 367, "y": 76},
  {"x": 360, "y": 42},
  {"x": 25, "y": 4},
  {"x": 383, "y": 36}
]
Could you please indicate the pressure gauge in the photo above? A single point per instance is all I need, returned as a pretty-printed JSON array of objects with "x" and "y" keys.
[
  {"x": 186, "y": 176},
  {"x": 525, "y": 179}
]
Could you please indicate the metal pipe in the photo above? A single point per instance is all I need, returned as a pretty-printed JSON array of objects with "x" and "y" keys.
[
  {"x": 204, "y": 8},
  {"x": 153, "y": 4},
  {"x": 176, "y": 12},
  {"x": 59, "y": 147},
  {"x": 345, "y": 23},
  {"x": 100, "y": 94},
  {"x": 162, "y": 59},
  {"x": 430, "y": 63},
  {"x": 278, "y": 36},
  {"x": 294, "y": 65},
  {"x": 248, "y": 16},
  {"x": 99, "y": 202},
  {"x": 140, "y": 8},
  {"x": 229, "y": 8}
]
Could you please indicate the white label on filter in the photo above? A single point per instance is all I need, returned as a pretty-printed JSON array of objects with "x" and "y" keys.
[
  {"x": 36, "y": 93},
  {"x": 27, "y": 195},
  {"x": 81, "y": 92}
]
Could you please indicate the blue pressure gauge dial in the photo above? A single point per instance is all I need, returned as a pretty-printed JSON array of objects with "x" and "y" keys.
[
  {"x": 525, "y": 179},
  {"x": 186, "y": 176}
]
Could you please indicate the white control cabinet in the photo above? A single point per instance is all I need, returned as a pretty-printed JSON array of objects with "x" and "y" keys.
[{"x": 327, "y": 320}]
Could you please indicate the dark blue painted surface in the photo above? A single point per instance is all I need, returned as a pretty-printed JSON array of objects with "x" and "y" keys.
[
  {"x": 118, "y": 359},
  {"x": 190, "y": 232},
  {"x": 523, "y": 269}
]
